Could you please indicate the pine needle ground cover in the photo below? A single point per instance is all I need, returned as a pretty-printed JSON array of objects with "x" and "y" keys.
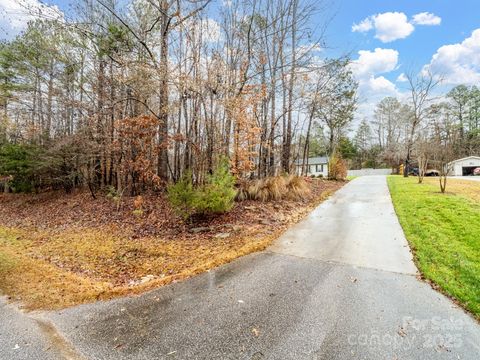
[
  {"x": 60, "y": 250},
  {"x": 444, "y": 233}
]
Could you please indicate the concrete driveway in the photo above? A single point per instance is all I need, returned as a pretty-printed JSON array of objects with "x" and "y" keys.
[{"x": 339, "y": 285}]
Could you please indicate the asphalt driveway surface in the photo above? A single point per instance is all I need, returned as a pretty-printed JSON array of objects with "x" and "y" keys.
[{"x": 29, "y": 336}]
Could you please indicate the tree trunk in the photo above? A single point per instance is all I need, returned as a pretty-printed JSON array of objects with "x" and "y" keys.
[
  {"x": 443, "y": 183},
  {"x": 163, "y": 98},
  {"x": 288, "y": 138}
]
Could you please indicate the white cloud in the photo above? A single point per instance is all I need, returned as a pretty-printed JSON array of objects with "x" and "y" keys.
[
  {"x": 388, "y": 26},
  {"x": 371, "y": 91},
  {"x": 210, "y": 30},
  {"x": 374, "y": 62},
  {"x": 391, "y": 26},
  {"x": 402, "y": 78},
  {"x": 372, "y": 86},
  {"x": 309, "y": 51},
  {"x": 379, "y": 85},
  {"x": 375, "y": 88},
  {"x": 426, "y": 18},
  {"x": 458, "y": 63},
  {"x": 364, "y": 25},
  {"x": 15, "y": 14}
]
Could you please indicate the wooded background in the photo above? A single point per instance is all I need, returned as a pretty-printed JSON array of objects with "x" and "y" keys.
[{"x": 133, "y": 96}]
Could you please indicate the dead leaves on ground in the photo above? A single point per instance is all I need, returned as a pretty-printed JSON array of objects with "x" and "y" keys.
[{"x": 89, "y": 250}]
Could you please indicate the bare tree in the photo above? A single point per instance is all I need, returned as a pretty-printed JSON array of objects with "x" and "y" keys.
[
  {"x": 338, "y": 102},
  {"x": 421, "y": 87},
  {"x": 159, "y": 88},
  {"x": 445, "y": 134}
]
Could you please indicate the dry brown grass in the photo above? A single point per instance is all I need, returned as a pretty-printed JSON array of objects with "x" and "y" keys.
[
  {"x": 464, "y": 188},
  {"x": 297, "y": 188},
  {"x": 337, "y": 168},
  {"x": 73, "y": 262},
  {"x": 274, "y": 188},
  {"x": 271, "y": 188},
  {"x": 37, "y": 283},
  {"x": 90, "y": 267}
]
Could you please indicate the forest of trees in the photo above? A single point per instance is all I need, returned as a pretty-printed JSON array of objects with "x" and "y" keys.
[
  {"x": 133, "y": 96},
  {"x": 446, "y": 127}
]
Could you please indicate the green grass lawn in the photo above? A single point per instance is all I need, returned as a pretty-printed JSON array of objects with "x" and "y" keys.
[{"x": 444, "y": 232}]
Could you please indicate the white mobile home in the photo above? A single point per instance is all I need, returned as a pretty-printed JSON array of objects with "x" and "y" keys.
[{"x": 465, "y": 166}]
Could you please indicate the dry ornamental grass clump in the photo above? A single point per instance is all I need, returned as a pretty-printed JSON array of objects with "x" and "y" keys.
[
  {"x": 297, "y": 188},
  {"x": 273, "y": 188},
  {"x": 337, "y": 168}
]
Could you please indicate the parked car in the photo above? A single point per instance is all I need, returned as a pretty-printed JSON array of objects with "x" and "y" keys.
[
  {"x": 432, "y": 172},
  {"x": 413, "y": 171},
  {"x": 476, "y": 172}
]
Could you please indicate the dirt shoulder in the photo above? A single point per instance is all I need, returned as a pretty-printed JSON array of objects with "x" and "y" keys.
[{"x": 58, "y": 251}]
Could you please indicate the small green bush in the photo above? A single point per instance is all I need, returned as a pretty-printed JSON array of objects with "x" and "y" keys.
[
  {"x": 218, "y": 194},
  {"x": 215, "y": 196},
  {"x": 137, "y": 212},
  {"x": 18, "y": 162},
  {"x": 113, "y": 194},
  {"x": 182, "y": 196},
  {"x": 34, "y": 168}
]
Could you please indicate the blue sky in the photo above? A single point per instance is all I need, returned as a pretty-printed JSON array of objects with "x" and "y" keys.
[
  {"x": 459, "y": 19},
  {"x": 384, "y": 38},
  {"x": 401, "y": 36}
]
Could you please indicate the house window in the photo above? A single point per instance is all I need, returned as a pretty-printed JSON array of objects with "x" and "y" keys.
[{"x": 319, "y": 167}]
